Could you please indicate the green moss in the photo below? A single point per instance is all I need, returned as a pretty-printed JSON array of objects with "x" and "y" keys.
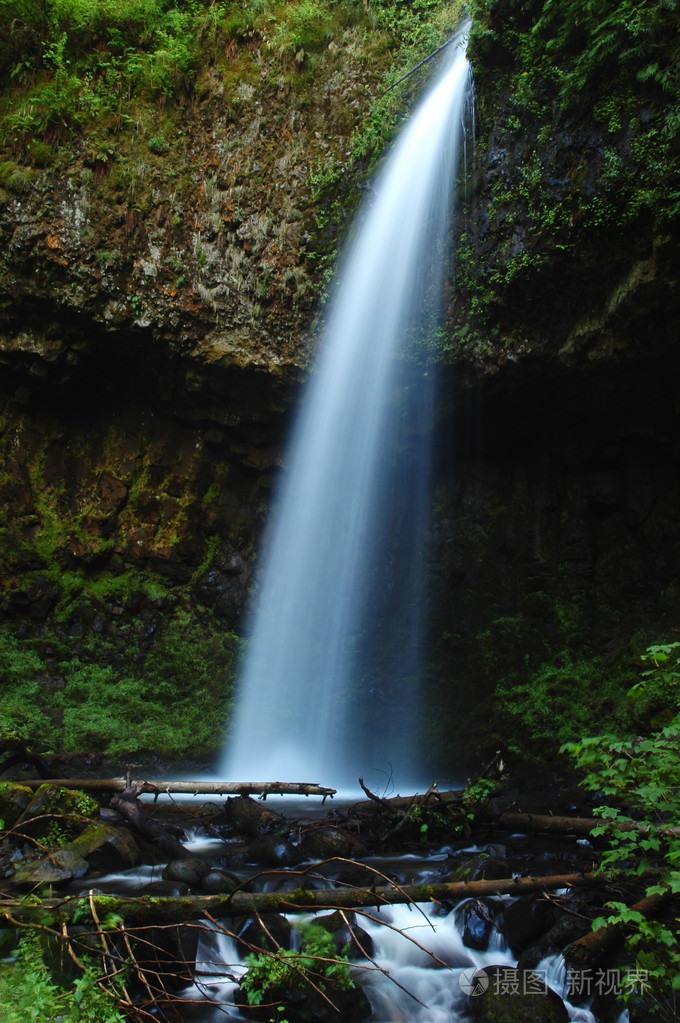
[{"x": 173, "y": 697}]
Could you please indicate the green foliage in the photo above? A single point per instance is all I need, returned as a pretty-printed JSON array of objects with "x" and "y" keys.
[
  {"x": 78, "y": 60},
  {"x": 28, "y": 993},
  {"x": 317, "y": 961},
  {"x": 559, "y": 702},
  {"x": 641, "y": 773},
  {"x": 172, "y": 699}
]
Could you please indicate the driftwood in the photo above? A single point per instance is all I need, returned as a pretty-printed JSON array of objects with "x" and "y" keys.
[
  {"x": 215, "y": 788},
  {"x": 592, "y": 946},
  {"x": 175, "y": 910}
]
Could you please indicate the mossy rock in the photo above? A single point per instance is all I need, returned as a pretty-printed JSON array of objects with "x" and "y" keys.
[
  {"x": 13, "y": 801},
  {"x": 36, "y": 873},
  {"x": 480, "y": 868},
  {"x": 106, "y": 847},
  {"x": 53, "y": 808}
]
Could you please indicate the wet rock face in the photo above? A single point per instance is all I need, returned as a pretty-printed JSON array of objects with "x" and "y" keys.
[{"x": 110, "y": 467}]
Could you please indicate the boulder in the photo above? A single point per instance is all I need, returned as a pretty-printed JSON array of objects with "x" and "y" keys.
[
  {"x": 107, "y": 848},
  {"x": 527, "y": 919},
  {"x": 14, "y": 798},
  {"x": 476, "y": 918},
  {"x": 325, "y": 843},
  {"x": 219, "y": 882},
  {"x": 274, "y": 851},
  {"x": 190, "y": 870},
  {"x": 249, "y": 817}
]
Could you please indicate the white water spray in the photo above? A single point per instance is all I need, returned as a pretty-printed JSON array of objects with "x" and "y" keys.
[{"x": 329, "y": 686}]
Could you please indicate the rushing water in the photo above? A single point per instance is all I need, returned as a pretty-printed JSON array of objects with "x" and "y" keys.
[
  {"x": 423, "y": 976},
  {"x": 329, "y": 686}
]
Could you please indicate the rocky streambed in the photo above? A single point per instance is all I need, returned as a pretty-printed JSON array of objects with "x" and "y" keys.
[{"x": 425, "y": 908}]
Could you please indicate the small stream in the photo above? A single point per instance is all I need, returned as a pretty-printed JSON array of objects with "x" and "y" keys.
[{"x": 421, "y": 970}]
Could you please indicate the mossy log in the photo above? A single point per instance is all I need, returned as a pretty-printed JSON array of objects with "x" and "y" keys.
[{"x": 147, "y": 910}]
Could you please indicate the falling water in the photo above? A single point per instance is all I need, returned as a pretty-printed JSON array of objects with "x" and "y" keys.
[{"x": 329, "y": 686}]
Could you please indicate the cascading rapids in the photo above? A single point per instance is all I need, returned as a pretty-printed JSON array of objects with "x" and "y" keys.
[{"x": 329, "y": 685}]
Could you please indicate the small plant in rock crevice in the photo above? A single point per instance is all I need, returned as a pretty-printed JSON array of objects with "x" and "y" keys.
[{"x": 316, "y": 961}]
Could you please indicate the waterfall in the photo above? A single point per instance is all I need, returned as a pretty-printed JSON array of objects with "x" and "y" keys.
[{"x": 329, "y": 684}]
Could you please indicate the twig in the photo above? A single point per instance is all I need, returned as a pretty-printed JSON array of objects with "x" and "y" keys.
[{"x": 372, "y": 795}]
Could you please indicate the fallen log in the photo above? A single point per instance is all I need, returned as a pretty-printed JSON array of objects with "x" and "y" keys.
[
  {"x": 195, "y": 788},
  {"x": 160, "y": 910},
  {"x": 560, "y": 825}
]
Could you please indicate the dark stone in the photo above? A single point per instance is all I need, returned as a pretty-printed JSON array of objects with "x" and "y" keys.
[
  {"x": 169, "y": 952},
  {"x": 251, "y": 935},
  {"x": 566, "y": 930},
  {"x": 189, "y": 871},
  {"x": 219, "y": 882},
  {"x": 250, "y": 817},
  {"x": 348, "y": 937},
  {"x": 274, "y": 851},
  {"x": 166, "y": 888},
  {"x": 526, "y": 919},
  {"x": 476, "y": 919},
  {"x": 325, "y": 843},
  {"x": 305, "y": 1005}
]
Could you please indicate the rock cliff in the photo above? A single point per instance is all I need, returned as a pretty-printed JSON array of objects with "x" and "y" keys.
[{"x": 159, "y": 289}]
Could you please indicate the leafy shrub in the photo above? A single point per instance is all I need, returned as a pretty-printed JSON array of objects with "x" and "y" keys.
[
  {"x": 641, "y": 773},
  {"x": 27, "y": 992}
]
